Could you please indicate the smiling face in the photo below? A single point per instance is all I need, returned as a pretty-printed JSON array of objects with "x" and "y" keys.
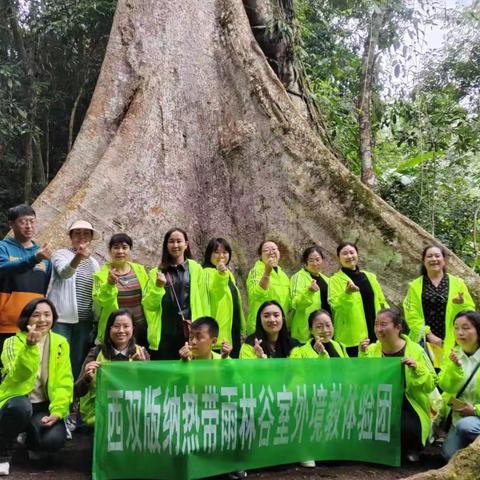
[
  {"x": 385, "y": 329},
  {"x": 176, "y": 246},
  {"x": 24, "y": 228},
  {"x": 218, "y": 255},
  {"x": 272, "y": 320},
  {"x": 121, "y": 331},
  {"x": 120, "y": 252},
  {"x": 322, "y": 327},
  {"x": 42, "y": 318},
  {"x": 314, "y": 263},
  {"x": 270, "y": 250},
  {"x": 201, "y": 342},
  {"x": 466, "y": 334},
  {"x": 434, "y": 261},
  {"x": 80, "y": 235},
  {"x": 348, "y": 257}
]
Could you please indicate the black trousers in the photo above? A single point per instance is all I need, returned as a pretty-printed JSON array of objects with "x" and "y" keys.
[
  {"x": 19, "y": 415},
  {"x": 411, "y": 431}
]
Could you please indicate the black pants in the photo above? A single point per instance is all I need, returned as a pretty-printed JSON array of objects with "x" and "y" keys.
[
  {"x": 169, "y": 347},
  {"x": 411, "y": 437},
  {"x": 19, "y": 415}
]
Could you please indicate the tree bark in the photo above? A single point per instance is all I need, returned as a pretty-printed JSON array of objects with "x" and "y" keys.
[
  {"x": 190, "y": 126},
  {"x": 73, "y": 113},
  {"x": 365, "y": 100},
  {"x": 465, "y": 465}
]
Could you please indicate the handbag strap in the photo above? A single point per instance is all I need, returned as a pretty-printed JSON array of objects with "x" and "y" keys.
[
  {"x": 469, "y": 379},
  {"x": 170, "y": 282}
]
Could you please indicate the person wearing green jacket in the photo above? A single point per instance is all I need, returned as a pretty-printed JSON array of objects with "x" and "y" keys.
[
  {"x": 271, "y": 338},
  {"x": 120, "y": 283},
  {"x": 37, "y": 386},
  {"x": 355, "y": 297},
  {"x": 309, "y": 292},
  {"x": 224, "y": 296},
  {"x": 267, "y": 281},
  {"x": 432, "y": 302},
  {"x": 321, "y": 343},
  {"x": 176, "y": 295},
  {"x": 420, "y": 379},
  {"x": 461, "y": 367},
  {"x": 119, "y": 345}
]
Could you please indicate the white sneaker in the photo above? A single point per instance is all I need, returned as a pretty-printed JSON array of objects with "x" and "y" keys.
[
  {"x": 308, "y": 464},
  {"x": 4, "y": 468}
]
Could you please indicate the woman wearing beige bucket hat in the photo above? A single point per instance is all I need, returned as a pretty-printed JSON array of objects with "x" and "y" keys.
[{"x": 71, "y": 290}]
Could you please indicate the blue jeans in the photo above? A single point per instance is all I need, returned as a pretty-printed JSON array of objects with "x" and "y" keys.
[
  {"x": 78, "y": 337},
  {"x": 461, "y": 435}
]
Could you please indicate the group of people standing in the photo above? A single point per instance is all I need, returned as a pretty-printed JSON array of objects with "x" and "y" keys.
[{"x": 183, "y": 309}]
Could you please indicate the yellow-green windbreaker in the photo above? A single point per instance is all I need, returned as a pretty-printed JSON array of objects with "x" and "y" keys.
[
  {"x": 87, "y": 401},
  {"x": 221, "y": 303},
  {"x": 419, "y": 382},
  {"x": 20, "y": 367},
  {"x": 304, "y": 302},
  {"x": 413, "y": 309},
  {"x": 347, "y": 308},
  {"x": 152, "y": 301},
  {"x": 278, "y": 290},
  {"x": 247, "y": 352},
  {"x": 451, "y": 380},
  {"x": 307, "y": 351},
  {"x": 105, "y": 294}
]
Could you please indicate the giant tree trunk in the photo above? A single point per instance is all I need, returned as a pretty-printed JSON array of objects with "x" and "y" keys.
[{"x": 190, "y": 126}]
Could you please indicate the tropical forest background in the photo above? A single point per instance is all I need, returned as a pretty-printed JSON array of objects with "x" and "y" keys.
[{"x": 397, "y": 82}]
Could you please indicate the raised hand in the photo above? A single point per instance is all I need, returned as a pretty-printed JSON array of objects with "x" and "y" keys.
[
  {"x": 364, "y": 345},
  {"x": 319, "y": 347},
  {"x": 83, "y": 250},
  {"x": 33, "y": 335},
  {"x": 269, "y": 265},
  {"x": 221, "y": 267},
  {"x": 313, "y": 287},
  {"x": 185, "y": 352},
  {"x": 257, "y": 348},
  {"x": 113, "y": 276},
  {"x": 454, "y": 358},
  {"x": 161, "y": 279},
  {"x": 140, "y": 354},
  {"x": 226, "y": 349},
  {"x": 351, "y": 287},
  {"x": 43, "y": 253}
]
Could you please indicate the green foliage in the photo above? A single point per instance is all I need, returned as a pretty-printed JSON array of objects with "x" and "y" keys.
[{"x": 64, "y": 44}]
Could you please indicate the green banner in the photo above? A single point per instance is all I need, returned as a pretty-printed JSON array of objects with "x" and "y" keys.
[{"x": 188, "y": 420}]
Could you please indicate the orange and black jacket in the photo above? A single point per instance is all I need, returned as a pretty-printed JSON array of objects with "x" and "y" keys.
[{"x": 22, "y": 279}]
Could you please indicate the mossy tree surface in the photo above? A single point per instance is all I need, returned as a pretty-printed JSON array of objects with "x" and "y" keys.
[{"x": 189, "y": 125}]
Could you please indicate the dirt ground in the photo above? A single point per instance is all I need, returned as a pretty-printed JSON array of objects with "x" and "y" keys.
[{"x": 74, "y": 462}]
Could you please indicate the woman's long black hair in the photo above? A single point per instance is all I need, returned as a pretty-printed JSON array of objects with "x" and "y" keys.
[
  {"x": 108, "y": 347},
  {"x": 285, "y": 343}
]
